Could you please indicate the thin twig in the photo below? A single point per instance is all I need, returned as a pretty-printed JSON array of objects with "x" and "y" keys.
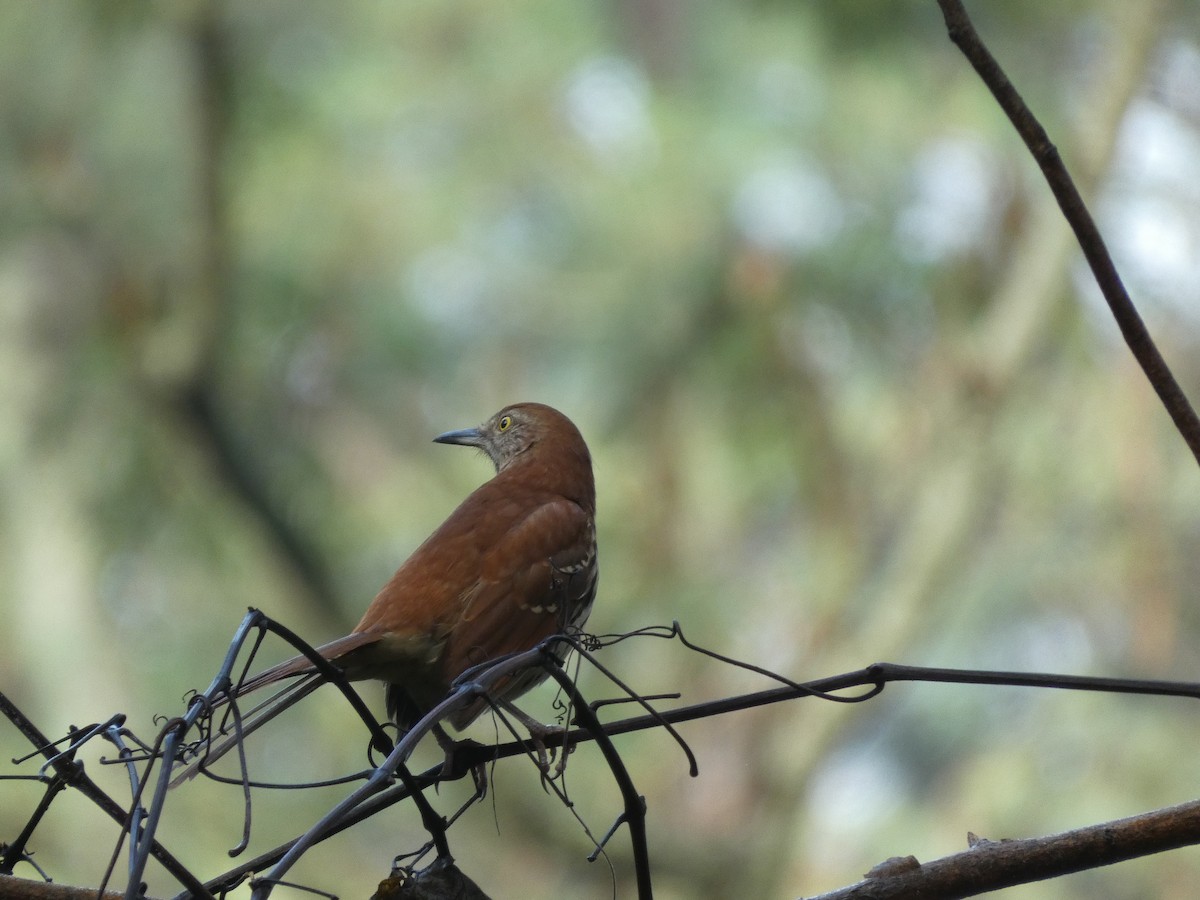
[
  {"x": 169, "y": 740},
  {"x": 73, "y": 774},
  {"x": 634, "y": 814}
]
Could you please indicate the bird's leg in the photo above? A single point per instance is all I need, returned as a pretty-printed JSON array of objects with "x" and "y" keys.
[{"x": 539, "y": 732}]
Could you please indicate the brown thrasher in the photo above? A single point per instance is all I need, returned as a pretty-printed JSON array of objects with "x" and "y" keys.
[{"x": 514, "y": 564}]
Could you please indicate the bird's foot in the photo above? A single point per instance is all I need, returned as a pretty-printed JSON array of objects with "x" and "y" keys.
[
  {"x": 540, "y": 735},
  {"x": 454, "y": 765}
]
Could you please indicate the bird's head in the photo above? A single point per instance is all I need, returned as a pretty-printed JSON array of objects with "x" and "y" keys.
[{"x": 510, "y": 435}]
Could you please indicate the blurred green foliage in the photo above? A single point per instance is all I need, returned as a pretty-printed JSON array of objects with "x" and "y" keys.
[{"x": 850, "y": 393}]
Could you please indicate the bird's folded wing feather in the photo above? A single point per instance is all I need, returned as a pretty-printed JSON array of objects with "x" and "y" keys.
[{"x": 519, "y": 597}]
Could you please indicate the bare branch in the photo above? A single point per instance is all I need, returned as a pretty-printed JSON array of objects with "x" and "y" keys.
[{"x": 1097, "y": 846}]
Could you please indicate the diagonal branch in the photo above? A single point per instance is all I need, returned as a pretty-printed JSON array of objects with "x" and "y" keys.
[{"x": 1141, "y": 344}]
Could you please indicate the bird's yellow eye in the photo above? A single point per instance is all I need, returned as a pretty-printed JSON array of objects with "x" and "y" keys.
[{"x": 505, "y": 423}]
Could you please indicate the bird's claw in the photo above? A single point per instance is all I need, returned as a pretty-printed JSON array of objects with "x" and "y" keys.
[
  {"x": 453, "y": 767},
  {"x": 546, "y": 756}
]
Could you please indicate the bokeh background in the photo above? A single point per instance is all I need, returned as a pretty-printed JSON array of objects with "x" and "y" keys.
[{"x": 850, "y": 393}]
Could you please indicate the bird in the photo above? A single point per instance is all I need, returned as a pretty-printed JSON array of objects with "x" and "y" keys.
[{"x": 515, "y": 563}]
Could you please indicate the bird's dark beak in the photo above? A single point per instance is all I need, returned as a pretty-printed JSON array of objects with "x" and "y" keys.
[{"x": 467, "y": 437}]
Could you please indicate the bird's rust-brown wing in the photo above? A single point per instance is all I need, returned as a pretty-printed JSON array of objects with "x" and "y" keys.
[{"x": 526, "y": 584}]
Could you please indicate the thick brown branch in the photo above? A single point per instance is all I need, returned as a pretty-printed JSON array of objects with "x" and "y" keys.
[
  {"x": 991, "y": 865},
  {"x": 23, "y": 889}
]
